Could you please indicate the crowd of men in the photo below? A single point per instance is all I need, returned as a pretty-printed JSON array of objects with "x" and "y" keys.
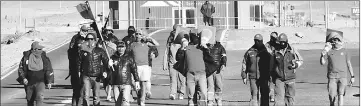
[{"x": 195, "y": 63}]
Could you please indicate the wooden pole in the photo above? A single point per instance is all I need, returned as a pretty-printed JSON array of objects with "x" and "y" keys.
[
  {"x": 227, "y": 17},
  {"x": 310, "y": 6}
]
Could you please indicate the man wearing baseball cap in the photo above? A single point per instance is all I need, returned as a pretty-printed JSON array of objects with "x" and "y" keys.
[
  {"x": 285, "y": 61},
  {"x": 123, "y": 63},
  {"x": 338, "y": 63},
  {"x": 73, "y": 55},
  {"x": 255, "y": 67},
  {"x": 270, "y": 45},
  {"x": 35, "y": 71}
]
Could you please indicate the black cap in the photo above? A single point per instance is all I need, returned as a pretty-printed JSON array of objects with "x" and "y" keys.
[
  {"x": 131, "y": 29},
  {"x": 120, "y": 44}
]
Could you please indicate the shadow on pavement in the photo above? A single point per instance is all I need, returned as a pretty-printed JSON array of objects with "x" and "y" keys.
[
  {"x": 234, "y": 101},
  {"x": 157, "y": 104},
  {"x": 312, "y": 83},
  {"x": 61, "y": 87},
  {"x": 356, "y": 95}
]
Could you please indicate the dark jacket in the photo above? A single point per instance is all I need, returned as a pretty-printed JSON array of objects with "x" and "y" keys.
[
  {"x": 219, "y": 55},
  {"x": 124, "y": 66},
  {"x": 282, "y": 62},
  {"x": 207, "y": 9},
  {"x": 152, "y": 49},
  {"x": 73, "y": 53},
  {"x": 90, "y": 64},
  {"x": 128, "y": 41},
  {"x": 256, "y": 63},
  {"x": 46, "y": 75}
]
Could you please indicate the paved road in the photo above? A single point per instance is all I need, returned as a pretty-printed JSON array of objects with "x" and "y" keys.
[{"x": 310, "y": 88}]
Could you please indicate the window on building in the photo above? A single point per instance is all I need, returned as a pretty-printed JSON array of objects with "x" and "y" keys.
[{"x": 255, "y": 12}]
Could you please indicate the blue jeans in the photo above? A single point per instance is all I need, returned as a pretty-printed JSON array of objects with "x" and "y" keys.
[
  {"x": 215, "y": 86},
  {"x": 285, "y": 92},
  {"x": 177, "y": 81},
  {"x": 122, "y": 95},
  {"x": 201, "y": 81},
  {"x": 35, "y": 93},
  {"x": 88, "y": 84}
]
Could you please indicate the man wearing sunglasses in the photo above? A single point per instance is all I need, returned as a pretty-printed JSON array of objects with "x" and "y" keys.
[
  {"x": 73, "y": 54},
  {"x": 35, "y": 71},
  {"x": 338, "y": 63},
  {"x": 256, "y": 67},
  {"x": 125, "y": 67},
  {"x": 90, "y": 66},
  {"x": 285, "y": 61}
]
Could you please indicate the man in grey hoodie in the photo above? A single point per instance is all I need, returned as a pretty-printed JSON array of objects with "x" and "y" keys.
[{"x": 207, "y": 10}]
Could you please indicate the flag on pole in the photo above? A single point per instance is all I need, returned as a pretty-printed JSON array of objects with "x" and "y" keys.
[{"x": 85, "y": 11}]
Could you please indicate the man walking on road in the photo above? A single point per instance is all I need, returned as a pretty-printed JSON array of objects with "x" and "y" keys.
[
  {"x": 270, "y": 45},
  {"x": 256, "y": 66},
  {"x": 89, "y": 65},
  {"x": 73, "y": 55},
  {"x": 195, "y": 68},
  {"x": 285, "y": 62},
  {"x": 338, "y": 63},
  {"x": 35, "y": 71},
  {"x": 177, "y": 80},
  {"x": 207, "y": 10},
  {"x": 139, "y": 50},
  {"x": 124, "y": 67},
  {"x": 215, "y": 81}
]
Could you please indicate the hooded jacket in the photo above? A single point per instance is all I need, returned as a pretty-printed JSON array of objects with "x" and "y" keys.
[
  {"x": 282, "y": 60},
  {"x": 46, "y": 75},
  {"x": 124, "y": 67}
]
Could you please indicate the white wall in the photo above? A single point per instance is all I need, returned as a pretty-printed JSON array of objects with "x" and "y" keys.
[{"x": 123, "y": 15}]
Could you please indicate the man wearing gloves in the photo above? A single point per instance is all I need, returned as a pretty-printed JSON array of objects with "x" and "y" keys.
[
  {"x": 285, "y": 62},
  {"x": 124, "y": 67},
  {"x": 255, "y": 66},
  {"x": 35, "y": 71},
  {"x": 338, "y": 63}
]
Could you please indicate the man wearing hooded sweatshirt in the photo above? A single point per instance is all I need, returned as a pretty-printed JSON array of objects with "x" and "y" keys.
[
  {"x": 207, "y": 10},
  {"x": 193, "y": 56},
  {"x": 177, "y": 80},
  {"x": 338, "y": 63},
  {"x": 286, "y": 60},
  {"x": 91, "y": 58},
  {"x": 270, "y": 45},
  {"x": 255, "y": 66},
  {"x": 130, "y": 38},
  {"x": 73, "y": 54},
  {"x": 35, "y": 71}
]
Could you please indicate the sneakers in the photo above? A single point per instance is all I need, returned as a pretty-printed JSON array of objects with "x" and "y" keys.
[
  {"x": 180, "y": 96},
  {"x": 272, "y": 99},
  {"x": 172, "y": 96},
  {"x": 148, "y": 95}
]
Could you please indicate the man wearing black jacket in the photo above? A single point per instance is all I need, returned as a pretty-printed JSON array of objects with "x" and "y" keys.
[
  {"x": 124, "y": 67},
  {"x": 89, "y": 65},
  {"x": 215, "y": 84},
  {"x": 256, "y": 66},
  {"x": 73, "y": 54},
  {"x": 35, "y": 71}
]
